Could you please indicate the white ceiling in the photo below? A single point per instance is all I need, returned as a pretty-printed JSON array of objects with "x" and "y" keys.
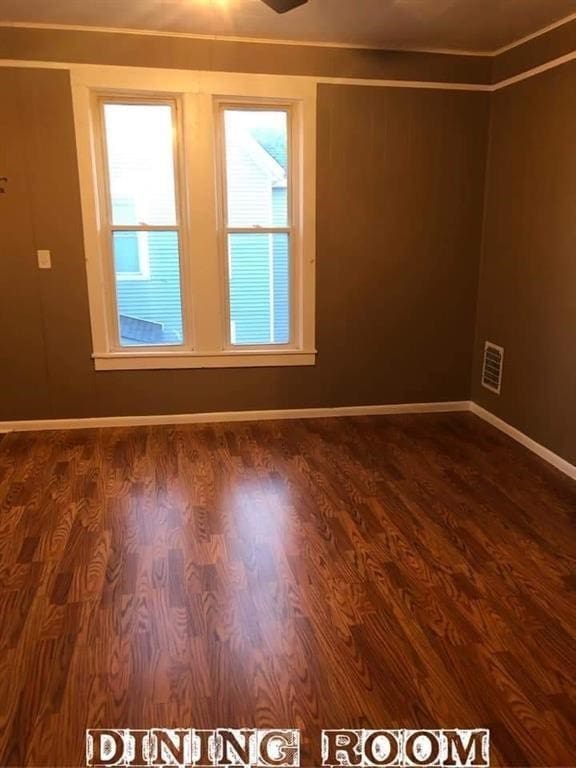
[{"x": 475, "y": 25}]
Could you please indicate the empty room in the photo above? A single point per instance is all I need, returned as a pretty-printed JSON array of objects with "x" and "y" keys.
[{"x": 287, "y": 383}]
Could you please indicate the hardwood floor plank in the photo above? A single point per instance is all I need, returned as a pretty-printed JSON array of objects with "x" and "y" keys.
[{"x": 405, "y": 571}]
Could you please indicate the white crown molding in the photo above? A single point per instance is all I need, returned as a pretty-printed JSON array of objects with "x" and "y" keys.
[
  {"x": 236, "y": 39},
  {"x": 71, "y": 66},
  {"x": 232, "y": 416},
  {"x": 374, "y": 83},
  {"x": 425, "y": 84},
  {"x": 274, "y": 41},
  {"x": 544, "y": 453},
  {"x": 535, "y": 71},
  {"x": 550, "y": 28}
]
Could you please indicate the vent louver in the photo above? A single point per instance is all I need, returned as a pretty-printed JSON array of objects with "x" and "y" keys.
[{"x": 492, "y": 368}]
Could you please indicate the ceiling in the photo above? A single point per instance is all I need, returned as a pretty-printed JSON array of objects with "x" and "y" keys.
[{"x": 475, "y": 25}]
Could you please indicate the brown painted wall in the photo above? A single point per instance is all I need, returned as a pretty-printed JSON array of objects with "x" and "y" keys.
[
  {"x": 527, "y": 299},
  {"x": 117, "y": 48},
  {"x": 400, "y": 180}
]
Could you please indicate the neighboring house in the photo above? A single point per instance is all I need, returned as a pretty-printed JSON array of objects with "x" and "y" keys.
[
  {"x": 258, "y": 264},
  {"x": 147, "y": 263}
]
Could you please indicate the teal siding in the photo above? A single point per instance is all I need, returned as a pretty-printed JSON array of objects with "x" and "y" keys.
[
  {"x": 259, "y": 266},
  {"x": 156, "y": 299},
  {"x": 259, "y": 286},
  {"x": 249, "y": 265}
]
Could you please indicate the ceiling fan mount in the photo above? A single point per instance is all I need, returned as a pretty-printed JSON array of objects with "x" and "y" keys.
[{"x": 283, "y": 6}]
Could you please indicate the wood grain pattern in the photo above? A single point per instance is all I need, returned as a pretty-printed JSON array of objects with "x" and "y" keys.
[{"x": 410, "y": 571}]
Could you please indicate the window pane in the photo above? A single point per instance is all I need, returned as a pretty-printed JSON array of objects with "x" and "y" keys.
[
  {"x": 140, "y": 163},
  {"x": 149, "y": 305},
  {"x": 257, "y": 167},
  {"x": 259, "y": 278}
]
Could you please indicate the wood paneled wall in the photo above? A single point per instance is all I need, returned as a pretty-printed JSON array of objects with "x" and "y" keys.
[
  {"x": 400, "y": 179},
  {"x": 527, "y": 296}
]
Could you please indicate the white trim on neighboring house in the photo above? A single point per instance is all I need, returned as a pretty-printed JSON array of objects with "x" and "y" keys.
[{"x": 143, "y": 261}]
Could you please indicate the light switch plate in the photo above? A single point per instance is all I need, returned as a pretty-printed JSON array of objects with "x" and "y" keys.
[{"x": 44, "y": 260}]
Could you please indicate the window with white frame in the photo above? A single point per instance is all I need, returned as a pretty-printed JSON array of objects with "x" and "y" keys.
[
  {"x": 257, "y": 222},
  {"x": 200, "y": 234},
  {"x": 139, "y": 203}
]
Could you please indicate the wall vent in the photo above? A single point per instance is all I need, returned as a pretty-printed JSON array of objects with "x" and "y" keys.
[{"x": 492, "y": 368}]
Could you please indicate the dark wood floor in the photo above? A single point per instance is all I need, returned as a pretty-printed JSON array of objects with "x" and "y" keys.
[{"x": 413, "y": 571}]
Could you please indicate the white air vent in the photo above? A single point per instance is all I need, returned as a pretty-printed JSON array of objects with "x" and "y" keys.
[{"x": 492, "y": 368}]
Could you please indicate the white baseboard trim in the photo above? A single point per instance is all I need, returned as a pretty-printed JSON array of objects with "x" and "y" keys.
[
  {"x": 207, "y": 418},
  {"x": 296, "y": 413},
  {"x": 527, "y": 442}
]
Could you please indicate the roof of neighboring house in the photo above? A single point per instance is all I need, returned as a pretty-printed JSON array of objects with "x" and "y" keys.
[
  {"x": 263, "y": 158},
  {"x": 273, "y": 143}
]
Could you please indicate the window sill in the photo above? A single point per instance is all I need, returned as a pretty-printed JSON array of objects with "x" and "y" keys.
[{"x": 131, "y": 361}]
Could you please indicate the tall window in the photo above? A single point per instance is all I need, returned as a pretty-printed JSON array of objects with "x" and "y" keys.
[
  {"x": 143, "y": 229},
  {"x": 200, "y": 236},
  {"x": 258, "y": 223}
]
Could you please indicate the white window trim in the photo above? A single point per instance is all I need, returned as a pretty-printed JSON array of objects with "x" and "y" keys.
[
  {"x": 205, "y": 316},
  {"x": 292, "y": 229},
  {"x": 100, "y": 178}
]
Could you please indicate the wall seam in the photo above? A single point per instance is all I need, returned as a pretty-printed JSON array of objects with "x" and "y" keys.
[{"x": 487, "y": 179}]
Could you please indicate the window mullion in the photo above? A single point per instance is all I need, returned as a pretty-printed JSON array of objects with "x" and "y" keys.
[
  {"x": 144, "y": 228},
  {"x": 259, "y": 230},
  {"x": 203, "y": 248}
]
